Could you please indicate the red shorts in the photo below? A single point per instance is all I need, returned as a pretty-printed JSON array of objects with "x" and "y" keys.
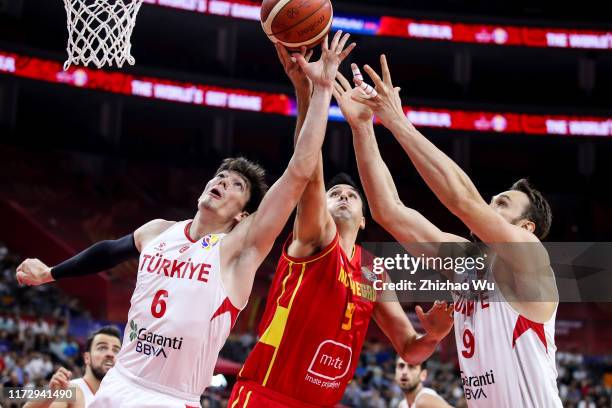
[{"x": 247, "y": 394}]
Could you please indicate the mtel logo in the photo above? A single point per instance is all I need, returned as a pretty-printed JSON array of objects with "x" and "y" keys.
[{"x": 331, "y": 361}]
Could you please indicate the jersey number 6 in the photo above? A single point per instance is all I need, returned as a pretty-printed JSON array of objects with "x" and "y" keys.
[{"x": 158, "y": 307}]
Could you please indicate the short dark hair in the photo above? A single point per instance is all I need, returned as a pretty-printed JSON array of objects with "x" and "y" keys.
[
  {"x": 538, "y": 211},
  {"x": 108, "y": 330},
  {"x": 423, "y": 364},
  {"x": 343, "y": 178},
  {"x": 255, "y": 175}
]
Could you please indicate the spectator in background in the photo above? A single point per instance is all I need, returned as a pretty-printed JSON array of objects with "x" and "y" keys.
[
  {"x": 40, "y": 327},
  {"x": 101, "y": 348},
  {"x": 410, "y": 379}
]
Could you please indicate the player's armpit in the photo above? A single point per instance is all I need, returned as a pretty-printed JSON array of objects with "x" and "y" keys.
[
  {"x": 150, "y": 230},
  {"x": 314, "y": 227}
]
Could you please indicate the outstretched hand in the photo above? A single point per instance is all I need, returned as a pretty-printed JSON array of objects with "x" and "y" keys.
[
  {"x": 438, "y": 321},
  {"x": 354, "y": 112},
  {"x": 383, "y": 98},
  {"x": 298, "y": 78},
  {"x": 322, "y": 73}
]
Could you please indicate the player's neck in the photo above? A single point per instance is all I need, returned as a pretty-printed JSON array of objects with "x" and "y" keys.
[
  {"x": 348, "y": 236},
  {"x": 204, "y": 224},
  {"x": 92, "y": 382},
  {"x": 411, "y": 396}
]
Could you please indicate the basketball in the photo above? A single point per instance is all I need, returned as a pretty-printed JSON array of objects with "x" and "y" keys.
[{"x": 296, "y": 23}]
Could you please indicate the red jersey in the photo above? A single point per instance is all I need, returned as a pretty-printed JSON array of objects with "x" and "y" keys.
[{"x": 314, "y": 325}]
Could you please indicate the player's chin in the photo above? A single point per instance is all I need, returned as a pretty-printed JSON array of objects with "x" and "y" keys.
[{"x": 105, "y": 369}]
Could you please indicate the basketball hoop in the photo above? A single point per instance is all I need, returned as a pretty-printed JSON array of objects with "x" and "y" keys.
[{"x": 99, "y": 31}]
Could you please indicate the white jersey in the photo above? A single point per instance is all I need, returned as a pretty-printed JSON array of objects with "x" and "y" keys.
[
  {"x": 506, "y": 360},
  {"x": 180, "y": 315},
  {"x": 87, "y": 393},
  {"x": 424, "y": 391}
]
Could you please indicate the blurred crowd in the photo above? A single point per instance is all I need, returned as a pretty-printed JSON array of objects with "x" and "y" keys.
[
  {"x": 34, "y": 330},
  {"x": 35, "y": 340}
]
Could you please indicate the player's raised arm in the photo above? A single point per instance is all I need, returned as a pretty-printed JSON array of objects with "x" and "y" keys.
[
  {"x": 99, "y": 257},
  {"x": 257, "y": 234},
  {"x": 300, "y": 81},
  {"x": 405, "y": 224},
  {"x": 314, "y": 226},
  {"x": 443, "y": 176}
]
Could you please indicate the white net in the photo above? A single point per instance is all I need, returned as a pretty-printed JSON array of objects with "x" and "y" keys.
[{"x": 99, "y": 31}]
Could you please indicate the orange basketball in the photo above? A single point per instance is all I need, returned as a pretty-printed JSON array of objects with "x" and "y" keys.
[{"x": 295, "y": 23}]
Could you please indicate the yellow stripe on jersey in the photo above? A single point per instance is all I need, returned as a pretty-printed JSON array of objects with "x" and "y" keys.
[
  {"x": 275, "y": 331},
  {"x": 312, "y": 260},
  {"x": 247, "y": 399},
  {"x": 237, "y": 397}
]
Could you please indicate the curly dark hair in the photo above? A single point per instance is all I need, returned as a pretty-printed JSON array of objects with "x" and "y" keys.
[
  {"x": 253, "y": 173},
  {"x": 538, "y": 211}
]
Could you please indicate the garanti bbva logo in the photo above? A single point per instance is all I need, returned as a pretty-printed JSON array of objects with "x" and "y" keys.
[{"x": 150, "y": 343}]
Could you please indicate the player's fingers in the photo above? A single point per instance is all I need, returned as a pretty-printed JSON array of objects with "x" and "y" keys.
[
  {"x": 363, "y": 100},
  {"x": 299, "y": 59},
  {"x": 338, "y": 88},
  {"x": 334, "y": 44},
  {"x": 325, "y": 44},
  {"x": 419, "y": 312},
  {"x": 377, "y": 80},
  {"x": 282, "y": 53},
  {"x": 368, "y": 90},
  {"x": 335, "y": 93},
  {"x": 346, "y": 85},
  {"x": 357, "y": 77},
  {"x": 347, "y": 51},
  {"x": 309, "y": 55},
  {"x": 342, "y": 42},
  {"x": 64, "y": 371},
  {"x": 385, "y": 71}
]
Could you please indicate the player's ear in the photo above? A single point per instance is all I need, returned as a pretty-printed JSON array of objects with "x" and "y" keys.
[
  {"x": 528, "y": 225},
  {"x": 87, "y": 358},
  {"x": 423, "y": 375},
  {"x": 241, "y": 216},
  {"x": 362, "y": 223}
]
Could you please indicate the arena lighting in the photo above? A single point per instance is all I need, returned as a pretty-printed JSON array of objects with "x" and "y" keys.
[
  {"x": 265, "y": 102},
  {"x": 420, "y": 29}
]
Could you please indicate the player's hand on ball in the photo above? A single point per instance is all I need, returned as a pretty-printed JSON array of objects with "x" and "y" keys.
[
  {"x": 438, "y": 321},
  {"x": 383, "y": 98},
  {"x": 33, "y": 272},
  {"x": 322, "y": 73},
  {"x": 298, "y": 78},
  {"x": 354, "y": 112},
  {"x": 60, "y": 380}
]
